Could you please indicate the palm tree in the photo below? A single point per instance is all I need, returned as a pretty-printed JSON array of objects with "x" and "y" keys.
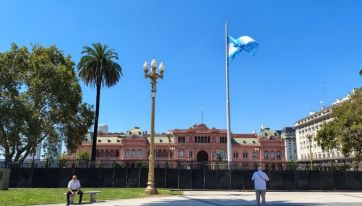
[{"x": 97, "y": 68}]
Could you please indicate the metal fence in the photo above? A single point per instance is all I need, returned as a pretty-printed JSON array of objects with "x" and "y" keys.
[
  {"x": 185, "y": 178},
  {"x": 325, "y": 165}
]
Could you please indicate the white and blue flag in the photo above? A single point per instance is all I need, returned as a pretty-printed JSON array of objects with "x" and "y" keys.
[{"x": 242, "y": 43}]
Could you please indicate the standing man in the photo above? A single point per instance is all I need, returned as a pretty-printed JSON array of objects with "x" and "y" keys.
[
  {"x": 74, "y": 188},
  {"x": 260, "y": 178}
]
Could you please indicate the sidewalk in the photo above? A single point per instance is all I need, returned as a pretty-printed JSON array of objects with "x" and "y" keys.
[{"x": 236, "y": 198}]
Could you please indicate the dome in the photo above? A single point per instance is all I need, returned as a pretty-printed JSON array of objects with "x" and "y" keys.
[
  {"x": 135, "y": 132},
  {"x": 266, "y": 132}
]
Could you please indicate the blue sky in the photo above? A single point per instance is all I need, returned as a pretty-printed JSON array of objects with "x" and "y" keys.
[{"x": 309, "y": 51}]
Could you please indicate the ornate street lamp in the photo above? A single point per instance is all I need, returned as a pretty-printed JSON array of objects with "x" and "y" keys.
[
  {"x": 150, "y": 189},
  {"x": 309, "y": 137}
]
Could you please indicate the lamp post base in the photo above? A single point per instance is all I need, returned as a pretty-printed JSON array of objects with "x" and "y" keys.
[{"x": 151, "y": 190}]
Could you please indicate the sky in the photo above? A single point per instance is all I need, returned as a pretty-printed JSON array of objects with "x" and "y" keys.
[{"x": 309, "y": 51}]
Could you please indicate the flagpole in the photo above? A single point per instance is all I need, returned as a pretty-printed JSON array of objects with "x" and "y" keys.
[{"x": 229, "y": 149}]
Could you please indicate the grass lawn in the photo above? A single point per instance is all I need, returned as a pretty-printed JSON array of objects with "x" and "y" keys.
[{"x": 33, "y": 196}]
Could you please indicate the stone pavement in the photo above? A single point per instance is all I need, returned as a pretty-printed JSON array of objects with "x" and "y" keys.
[{"x": 236, "y": 198}]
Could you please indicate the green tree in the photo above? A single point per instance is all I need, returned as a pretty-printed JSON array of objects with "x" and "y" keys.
[
  {"x": 40, "y": 100},
  {"x": 345, "y": 131},
  {"x": 83, "y": 156},
  {"x": 98, "y": 68}
]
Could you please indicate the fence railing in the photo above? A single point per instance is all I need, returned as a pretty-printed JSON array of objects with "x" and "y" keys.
[{"x": 325, "y": 165}]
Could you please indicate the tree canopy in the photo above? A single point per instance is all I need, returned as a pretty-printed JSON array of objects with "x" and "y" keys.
[
  {"x": 345, "y": 131},
  {"x": 40, "y": 101}
]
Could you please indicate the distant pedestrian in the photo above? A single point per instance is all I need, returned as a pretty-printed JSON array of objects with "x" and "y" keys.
[
  {"x": 74, "y": 188},
  {"x": 259, "y": 177}
]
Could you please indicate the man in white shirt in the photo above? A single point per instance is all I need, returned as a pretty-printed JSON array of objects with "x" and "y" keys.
[
  {"x": 74, "y": 188},
  {"x": 259, "y": 177}
]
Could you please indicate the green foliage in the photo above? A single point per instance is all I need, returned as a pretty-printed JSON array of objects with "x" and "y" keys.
[
  {"x": 62, "y": 160},
  {"x": 345, "y": 131},
  {"x": 40, "y": 101},
  {"x": 83, "y": 156},
  {"x": 118, "y": 165},
  {"x": 97, "y": 66},
  {"x": 292, "y": 165}
]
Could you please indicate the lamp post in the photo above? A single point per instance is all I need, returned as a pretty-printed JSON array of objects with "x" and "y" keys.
[
  {"x": 309, "y": 137},
  {"x": 153, "y": 75}
]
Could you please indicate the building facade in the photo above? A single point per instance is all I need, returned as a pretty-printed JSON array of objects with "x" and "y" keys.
[
  {"x": 306, "y": 130},
  {"x": 288, "y": 134},
  {"x": 197, "y": 143}
]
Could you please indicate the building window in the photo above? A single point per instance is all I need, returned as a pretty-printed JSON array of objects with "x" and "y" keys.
[
  {"x": 272, "y": 155},
  {"x": 99, "y": 140},
  {"x": 255, "y": 155},
  {"x": 202, "y": 139},
  {"x": 279, "y": 155},
  {"x": 245, "y": 155},
  {"x": 181, "y": 139},
  {"x": 97, "y": 153},
  {"x": 109, "y": 140},
  {"x": 117, "y": 153},
  {"x": 181, "y": 153},
  {"x": 118, "y": 140},
  {"x": 190, "y": 154},
  {"x": 236, "y": 155},
  {"x": 223, "y": 140},
  {"x": 266, "y": 155}
]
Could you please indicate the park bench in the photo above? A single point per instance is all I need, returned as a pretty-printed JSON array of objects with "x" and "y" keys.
[{"x": 92, "y": 196}]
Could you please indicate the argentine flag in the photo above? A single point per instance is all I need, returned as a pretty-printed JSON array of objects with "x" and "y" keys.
[{"x": 242, "y": 43}]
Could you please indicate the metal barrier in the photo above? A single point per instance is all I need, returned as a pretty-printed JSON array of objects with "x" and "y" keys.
[{"x": 322, "y": 165}]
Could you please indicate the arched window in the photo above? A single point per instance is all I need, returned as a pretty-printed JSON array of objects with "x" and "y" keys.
[
  {"x": 101, "y": 153},
  {"x": 181, "y": 153},
  {"x": 107, "y": 153},
  {"x": 133, "y": 154},
  {"x": 266, "y": 155},
  {"x": 111, "y": 153},
  {"x": 255, "y": 155},
  {"x": 272, "y": 155},
  {"x": 164, "y": 153},
  {"x": 117, "y": 153},
  {"x": 127, "y": 153},
  {"x": 139, "y": 153},
  {"x": 279, "y": 155}
]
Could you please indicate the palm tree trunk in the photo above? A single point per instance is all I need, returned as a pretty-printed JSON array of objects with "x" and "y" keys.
[{"x": 95, "y": 131}]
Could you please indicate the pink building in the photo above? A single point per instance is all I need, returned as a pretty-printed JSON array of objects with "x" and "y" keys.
[{"x": 198, "y": 143}]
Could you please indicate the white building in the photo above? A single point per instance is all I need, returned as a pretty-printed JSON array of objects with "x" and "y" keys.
[
  {"x": 103, "y": 128},
  {"x": 288, "y": 134},
  {"x": 306, "y": 131}
]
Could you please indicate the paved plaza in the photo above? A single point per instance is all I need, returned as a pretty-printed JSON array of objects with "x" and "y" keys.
[{"x": 234, "y": 198}]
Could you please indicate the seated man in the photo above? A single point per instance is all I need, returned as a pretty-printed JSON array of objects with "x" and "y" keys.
[{"x": 74, "y": 188}]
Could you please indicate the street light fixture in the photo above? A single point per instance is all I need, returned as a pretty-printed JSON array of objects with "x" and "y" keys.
[
  {"x": 153, "y": 75},
  {"x": 309, "y": 137}
]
